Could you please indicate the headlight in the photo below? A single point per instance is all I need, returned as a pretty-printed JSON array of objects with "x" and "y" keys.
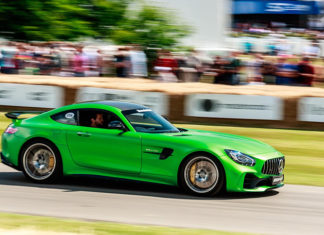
[{"x": 240, "y": 158}]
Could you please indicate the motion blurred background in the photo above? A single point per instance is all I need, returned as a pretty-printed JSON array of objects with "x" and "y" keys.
[
  {"x": 228, "y": 42},
  {"x": 246, "y": 67}
]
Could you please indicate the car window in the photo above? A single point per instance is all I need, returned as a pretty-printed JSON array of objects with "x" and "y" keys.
[
  {"x": 143, "y": 118},
  {"x": 96, "y": 118},
  {"x": 148, "y": 121},
  {"x": 68, "y": 117}
]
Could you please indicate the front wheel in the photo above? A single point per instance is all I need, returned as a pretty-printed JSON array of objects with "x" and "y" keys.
[
  {"x": 41, "y": 162},
  {"x": 202, "y": 175}
]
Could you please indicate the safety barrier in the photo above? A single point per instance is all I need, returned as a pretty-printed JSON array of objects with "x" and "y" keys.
[{"x": 249, "y": 110}]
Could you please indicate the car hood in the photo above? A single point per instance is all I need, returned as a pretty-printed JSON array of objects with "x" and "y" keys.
[{"x": 227, "y": 141}]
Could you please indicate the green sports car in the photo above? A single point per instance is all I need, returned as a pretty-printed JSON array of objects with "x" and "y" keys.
[{"x": 130, "y": 141}]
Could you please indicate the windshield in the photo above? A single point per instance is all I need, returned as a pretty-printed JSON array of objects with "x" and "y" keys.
[{"x": 149, "y": 122}]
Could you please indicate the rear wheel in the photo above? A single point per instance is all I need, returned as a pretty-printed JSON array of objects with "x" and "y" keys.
[
  {"x": 41, "y": 162},
  {"x": 202, "y": 175}
]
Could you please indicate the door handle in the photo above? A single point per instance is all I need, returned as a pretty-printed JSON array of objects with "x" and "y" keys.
[{"x": 83, "y": 134}]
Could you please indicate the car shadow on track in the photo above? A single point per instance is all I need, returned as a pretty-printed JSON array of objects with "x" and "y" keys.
[{"x": 120, "y": 186}]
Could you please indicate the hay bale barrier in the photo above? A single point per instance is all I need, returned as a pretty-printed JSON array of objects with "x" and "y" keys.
[{"x": 178, "y": 94}]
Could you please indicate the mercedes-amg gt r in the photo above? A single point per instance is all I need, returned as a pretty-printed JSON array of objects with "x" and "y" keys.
[{"x": 130, "y": 141}]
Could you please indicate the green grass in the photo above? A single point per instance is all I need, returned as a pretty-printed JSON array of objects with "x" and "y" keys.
[
  {"x": 42, "y": 224},
  {"x": 304, "y": 150},
  {"x": 4, "y": 122}
]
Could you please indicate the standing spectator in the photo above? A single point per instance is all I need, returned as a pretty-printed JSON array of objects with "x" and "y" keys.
[
  {"x": 79, "y": 63},
  {"x": 232, "y": 69},
  {"x": 56, "y": 62},
  {"x": 227, "y": 70},
  {"x": 167, "y": 67},
  {"x": 22, "y": 57},
  {"x": 312, "y": 50},
  {"x": 100, "y": 63},
  {"x": 44, "y": 64},
  {"x": 283, "y": 48},
  {"x": 306, "y": 73},
  {"x": 138, "y": 62},
  {"x": 271, "y": 48},
  {"x": 194, "y": 62},
  {"x": 1, "y": 56},
  {"x": 182, "y": 73},
  {"x": 92, "y": 56},
  {"x": 218, "y": 68},
  {"x": 286, "y": 72},
  {"x": 67, "y": 55},
  {"x": 8, "y": 62},
  {"x": 248, "y": 47},
  {"x": 268, "y": 72},
  {"x": 255, "y": 69},
  {"x": 122, "y": 63},
  {"x": 106, "y": 63}
]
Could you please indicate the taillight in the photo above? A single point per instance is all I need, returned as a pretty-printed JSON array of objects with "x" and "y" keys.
[{"x": 11, "y": 130}]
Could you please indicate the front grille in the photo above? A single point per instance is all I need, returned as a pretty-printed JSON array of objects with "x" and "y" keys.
[{"x": 272, "y": 166}]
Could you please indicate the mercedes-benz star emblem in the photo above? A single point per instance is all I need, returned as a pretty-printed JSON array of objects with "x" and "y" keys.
[{"x": 281, "y": 166}]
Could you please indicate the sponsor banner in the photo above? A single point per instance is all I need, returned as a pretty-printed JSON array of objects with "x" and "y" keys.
[
  {"x": 275, "y": 7},
  {"x": 311, "y": 109},
  {"x": 234, "y": 106},
  {"x": 157, "y": 101},
  {"x": 31, "y": 95}
]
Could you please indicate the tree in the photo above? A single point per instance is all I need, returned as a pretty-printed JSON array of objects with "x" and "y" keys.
[
  {"x": 59, "y": 19},
  {"x": 49, "y": 20}
]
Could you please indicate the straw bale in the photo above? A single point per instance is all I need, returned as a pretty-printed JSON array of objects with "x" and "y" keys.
[
  {"x": 178, "y": 91},
  {"x": 169, "y": 88}
]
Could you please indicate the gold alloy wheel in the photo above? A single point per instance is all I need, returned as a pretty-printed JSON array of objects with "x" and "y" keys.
[
  {"x": 201, "y": 174},
  {"x": 39, "y": 161}
]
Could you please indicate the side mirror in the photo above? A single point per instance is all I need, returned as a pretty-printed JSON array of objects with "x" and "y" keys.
[
  {"x": 116, "y": 125},
  {"x": 165, "y": 117}
]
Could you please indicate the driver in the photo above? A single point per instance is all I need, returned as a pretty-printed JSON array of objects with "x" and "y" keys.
[{"x": 97, "y": 120}]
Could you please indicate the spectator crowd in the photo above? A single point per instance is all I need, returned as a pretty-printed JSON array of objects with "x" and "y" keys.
[{"x": 64, "y": 59}]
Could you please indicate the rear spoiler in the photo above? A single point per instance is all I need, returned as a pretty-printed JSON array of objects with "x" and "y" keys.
[{"x": 15, "y": 115}]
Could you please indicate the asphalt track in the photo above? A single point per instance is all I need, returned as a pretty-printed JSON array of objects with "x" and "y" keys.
[{"x": 290, "y": 210}]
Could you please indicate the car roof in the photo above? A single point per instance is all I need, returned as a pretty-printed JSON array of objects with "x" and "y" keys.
[{"x": 123, "y": 106}]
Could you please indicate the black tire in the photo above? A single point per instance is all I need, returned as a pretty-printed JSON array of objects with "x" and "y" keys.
[
  {"x": 41, "y": 162},
  {"x": 207, "y": 180}
]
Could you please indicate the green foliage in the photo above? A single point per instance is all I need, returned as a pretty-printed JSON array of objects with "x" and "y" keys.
[
  {"x": 49, "y": 20},
  {"x": 150, "y": 27},
  {"x": 59, "y": 19}
]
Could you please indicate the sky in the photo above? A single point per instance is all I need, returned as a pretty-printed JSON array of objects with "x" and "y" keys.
[{"x": 209, "y": 19}]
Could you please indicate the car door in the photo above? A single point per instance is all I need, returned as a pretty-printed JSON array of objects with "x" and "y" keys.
[{"x": 104, "y": 149}]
